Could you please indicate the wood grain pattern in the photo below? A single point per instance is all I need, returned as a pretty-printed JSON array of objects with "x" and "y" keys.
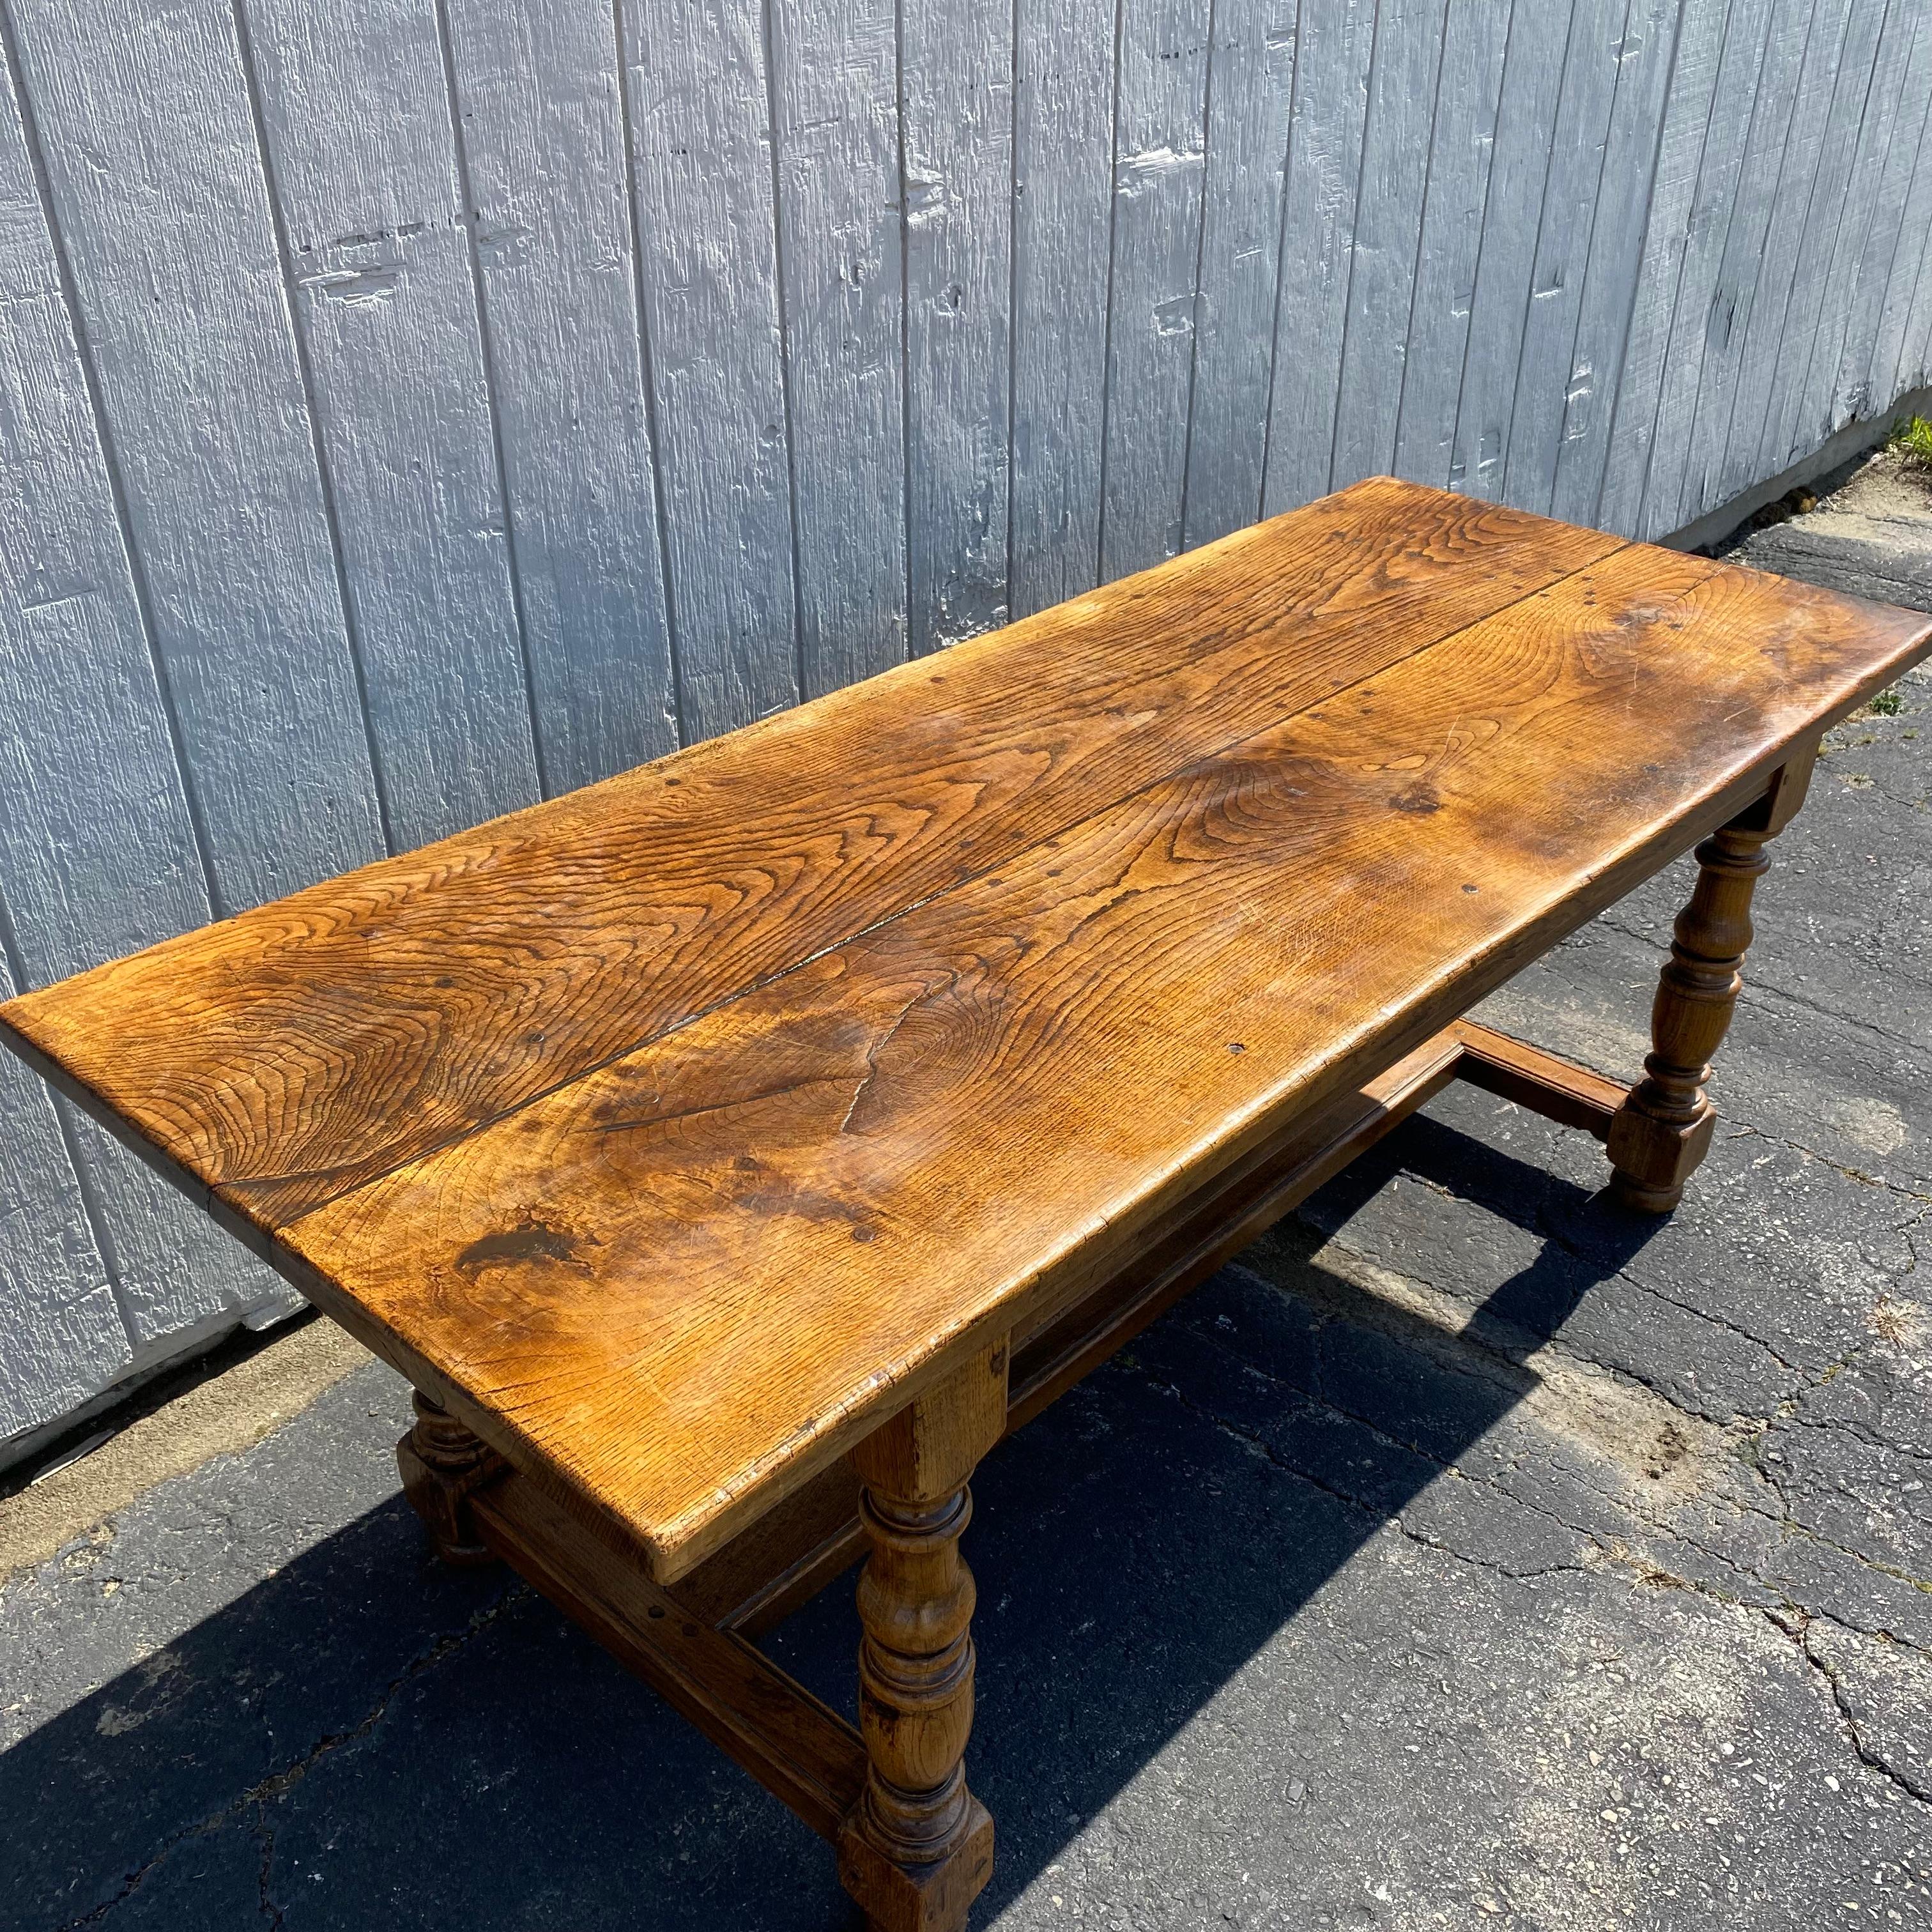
[
  {"x": 1334, "y": 45},
  {"x": 1384, "y": 256},
  {"x": 326, "y": 1048},
  {"x": 1063, "y": 191},
  {"x": 1786, "y": 31},
  {"x": 841, "y": 218},
  {"x": 1474, "y": 39},
  {"x": 1617, "y": 225},
  {"x": 707, "y": 227},
  {"x": 569, "y": 417},
  {"x": 1853, "y": 71},
  {"x": 1635, "y": 421},
  {"x": 1771, "y": 284},
  {"x": 203, "y": 391},
  {"x": 1159, "y": 166},
  {"x": 1592, "y": 70},
  {"x": 966, "y": 1111},
  {"x": 1886, "y": 372},
  {"x": 1533, "y": 71},
  {"x": 1819, "y": 410},
  {"x": 1250, "y": 87},
  {"x": 1699, "y": 293},
  {"x": 363, "y": 161},
  {"x": 957, "y": 111},
  {"x": 539, "y": 115}
]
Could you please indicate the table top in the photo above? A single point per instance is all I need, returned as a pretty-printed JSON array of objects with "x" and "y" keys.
[{"x": 676, "y": 1129}]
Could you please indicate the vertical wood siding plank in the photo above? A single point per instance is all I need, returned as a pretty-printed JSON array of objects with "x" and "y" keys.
[
  {"x": 1469, "y": 97},
  {"x": 1890, "y": 375},
  {"x": 1533, "y": 71},
  {"x": 1686, "y": 114},
  {"x": 1728, "y": 322},
  {"x": 363, "y": 165},
  {"x": 1396, "y": 149},
  {"x": 1159, "y": 167},
  {"x": 1644, "y": 59},
  {"x": 1546, "y": 364},
  {"x": 1916, "y": 360},
  {"x": 1251, "y": 84},
  {"x": 1702, "y": 303},
  {"x": 541, "y": 134},
  {"x": 1905, "y": 52},
  {"x": 98, "y": 844},
  {"x": 1783, "y": 431},
  {"x": 1063, "y": 163},
  {"x": 1771, "y": 294},
  {"x": 1335, "y": 47},
  {"x": 174, "y": 256},
  {"x": 701, "y": 134},
  {"x": 841, "y": 216},
  {"x": 61, "y": 1339},
  {"x": 958, "y": 107}
]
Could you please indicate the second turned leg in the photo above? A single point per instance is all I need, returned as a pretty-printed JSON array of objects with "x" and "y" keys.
[
  {"x": 918, "y": 1846},
  {"x": 442, "y": 1463},
  {"x": 1664, "y": 1128}
]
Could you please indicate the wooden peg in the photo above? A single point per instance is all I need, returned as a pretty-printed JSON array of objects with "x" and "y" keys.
[
  {"x": 443, "y": 1465},
  {"x": 918, "y": 1845}
]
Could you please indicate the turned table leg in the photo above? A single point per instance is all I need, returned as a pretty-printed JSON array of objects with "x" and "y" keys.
[
  {"x": 1664, "y": 1128},
  {"x": 442, "y": 1463},
  {"x": 918, "y": 1845}
]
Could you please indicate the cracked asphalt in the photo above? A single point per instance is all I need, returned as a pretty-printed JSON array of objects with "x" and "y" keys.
[{"x": 1470, "y": 1554}]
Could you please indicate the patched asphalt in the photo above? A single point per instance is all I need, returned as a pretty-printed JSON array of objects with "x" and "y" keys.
[{"x": 1470, "y": 1554}]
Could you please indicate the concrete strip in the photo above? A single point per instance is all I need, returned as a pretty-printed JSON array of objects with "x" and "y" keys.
[{"x": 228, "y": 1412}]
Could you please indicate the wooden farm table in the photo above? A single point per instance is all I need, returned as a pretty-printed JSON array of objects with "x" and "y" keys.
[{"x": 730, "y": 1153}]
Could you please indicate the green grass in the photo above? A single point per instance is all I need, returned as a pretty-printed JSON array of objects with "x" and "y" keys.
[
  {"x": 1912, "y": 440},
  {"x": 1887, "y": 704}
]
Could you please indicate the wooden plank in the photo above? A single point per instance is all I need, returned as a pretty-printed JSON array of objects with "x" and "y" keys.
[
  {"x": 1533, "y": 71},
  {"x": 98, "y": 853},
  {"x": 202, "y": 395},
  {"x": 592, "y": 924},
  {"x": 1904, "y": 71},
  {"x": 1686, "y": 114},
  {"x": 1159, "y": 176},
  {"x": 1547, "y": 1084},
  {"x": 1735, "y": 295},
  {"x": 1876, "y": 111},
  {"x": 1785, "y": 429},
  {"x": 1892, "y": 371},
  {"x": 1395, "y": 150},
  {"x": 539, "y": 113},
  {"x": 1699, "y": 295},
  {"x": 701, "y": 141},
  {"x": 1241, "y": 1207},
  {"x": 1772, "y": 291},
  {"x": 1334, "y": 50},
  {"x": 1139, "y": 1002},
  {"x": 841, "y": 214},
  {"x": 1644, "y": 59},
  {"x": 957, "y": 95},
  {"x": 1250, "y": 85},
  {"x": 1545, "y": 367},
  {"x": 1467, "y": 96},
  {"x": 363, "y": 168},
  {"x": 61, "y": 1333},
  {"x": 798, "y": 1748},
  {"x": 1915, "y": 353},
  {"x": 1063, "y": 193}
]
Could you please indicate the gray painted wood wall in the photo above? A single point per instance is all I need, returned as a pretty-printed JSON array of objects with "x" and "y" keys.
[{"x": 410, "y": 408}]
